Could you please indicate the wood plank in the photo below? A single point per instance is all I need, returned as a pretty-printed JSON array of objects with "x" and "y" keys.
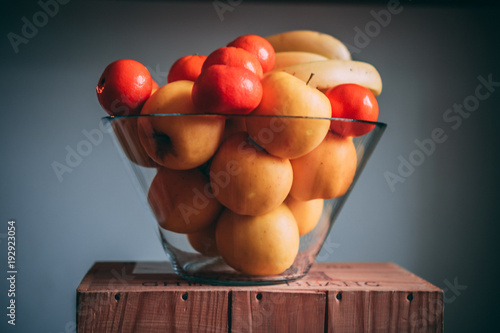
[
  {"x": 271, "y": 311},
  {"x": 363, "y": 311},
  {"x": 172, "y": 311}
]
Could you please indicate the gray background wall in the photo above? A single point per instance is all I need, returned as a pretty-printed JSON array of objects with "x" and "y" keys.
[{"x": 441, "y": 223}]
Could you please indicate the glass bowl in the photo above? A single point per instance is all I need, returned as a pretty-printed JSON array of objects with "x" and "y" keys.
[{"x": 206, "y": 177}]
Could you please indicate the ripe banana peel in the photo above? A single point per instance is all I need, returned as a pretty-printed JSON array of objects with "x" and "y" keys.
[
  {"x": 288, "y": 58},
  {"x": 310, "y": 41},
  {"x": 330, "y": 73}
]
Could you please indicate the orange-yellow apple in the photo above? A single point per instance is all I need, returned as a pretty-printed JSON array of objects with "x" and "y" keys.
[
  {"x": 126, "y": 132},
  {"x": 285, "y": 95},
  {"x": 248, "y": 180},
  {"x": 182, "y": 200},
  {"x": 203, "y": 241},
  {"x": 306, "y": 213},
  {"x": 154, "y": 86},
  {"x": 327, "y": 171},
  {"x": 258, "y": 245},
  {"x": 178, "y": 142},
  {"x": 234, "y": 125}
]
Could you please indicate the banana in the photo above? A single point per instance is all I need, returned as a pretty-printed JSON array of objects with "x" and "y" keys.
[
  {"x": 288, "y": 58},
  {"x": 310, "y": 41},
  {"x": 330, "y": 73}
]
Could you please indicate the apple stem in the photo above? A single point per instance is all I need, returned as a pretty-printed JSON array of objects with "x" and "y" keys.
[{"x": 309, "y": 80}]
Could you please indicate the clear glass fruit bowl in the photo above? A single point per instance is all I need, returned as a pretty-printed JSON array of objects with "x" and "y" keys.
[{"x": 243, "y": 199}]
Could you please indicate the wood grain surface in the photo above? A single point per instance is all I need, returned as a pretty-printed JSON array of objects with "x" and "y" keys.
[{"x": 340, "y": 297}]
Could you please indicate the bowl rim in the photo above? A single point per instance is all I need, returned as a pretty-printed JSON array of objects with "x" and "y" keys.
[{"x": 117, "y": 117}]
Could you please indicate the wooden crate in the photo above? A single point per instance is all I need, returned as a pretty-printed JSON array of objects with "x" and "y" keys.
[{"x": 344, "y": 297}]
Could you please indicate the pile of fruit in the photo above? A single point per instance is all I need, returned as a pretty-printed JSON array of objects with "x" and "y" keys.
[{"x": 245, "y": 156}]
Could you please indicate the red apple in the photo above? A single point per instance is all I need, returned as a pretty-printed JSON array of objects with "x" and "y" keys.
[
  {"x": 352, "y": 101},
  {"x": 227, "y": 90},
  {"x": 186, "y": 68},
  {"x": 258, "y": 46},
  {"x": 124, "y": 87},
  {"x": 234, "y": 57}
]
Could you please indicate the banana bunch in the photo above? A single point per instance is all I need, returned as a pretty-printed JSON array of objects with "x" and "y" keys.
[{"x": 321, "y": 60}]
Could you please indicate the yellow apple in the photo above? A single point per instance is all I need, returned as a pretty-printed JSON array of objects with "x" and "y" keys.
[
  {"x": 182, "y": 200},
  {"x": 234, "y": 125},
  {"x": 154, "y": 87},
  {"x": 178, "y": 142},
  {"x": 258, "y": 245},
  {"x": 286, "y": 95},
  {"x": 327, "y": 171},
  {"x": 248, "y": 180},
  {"x": 203, "y": 241},
  {"x": 306, "y": 213}
]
